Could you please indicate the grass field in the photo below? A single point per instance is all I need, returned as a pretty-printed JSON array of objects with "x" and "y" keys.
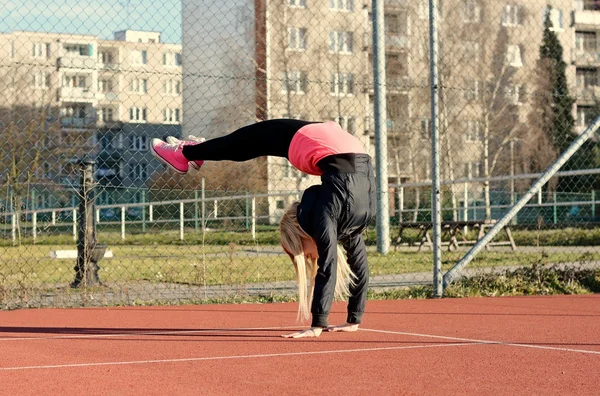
[{"x": 235, "y": 264}]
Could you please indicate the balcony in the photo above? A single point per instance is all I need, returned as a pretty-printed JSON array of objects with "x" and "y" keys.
[
  {"x": 394, "y": 83},
  {"x": 109, "y": 67},
  {"x": 585, "y": 57},
  {"x": 77, "y": 122},
  {"x": 586, "y": 18},
  {"x": 393, "y": 41},
  {"x": 76, "y": 94},
  {"x": 108, "y": 97},
  {"x": 77, "y": 62},
  {"x": 588, "y": 95}
]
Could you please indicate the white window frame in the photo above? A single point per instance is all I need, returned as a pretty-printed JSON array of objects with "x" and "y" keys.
[
  {"x": 472, "y": 169},
  {"x": 77, "y": 49},
  {"x": 138, "y": 114},
  {"x": 40, "y": 50},
  {"x": 473, "y": 91},
  {"x": 473, "y": 50},
  {"x": 138, "y": 171},
  {"x": 341, "y": 5},
  {"x": 296, "y": 81},
  {"x": 514, "y": 94},
  {"x": 41, "y": 80},
  {"x": 473, "y": 131},
  {"x": 341, "y": 42},
  {"x": 107, "y": 114},
  {"x": 424, "y": 9},
  {"x": 510, "y": 17},
  {"x": 556, "y": 17},
  {"x": 342, "y": 84},
  {"x": 171, "y": 59},
  {"x": 139, "y": 85},
  {"x": 139, "y": 57},
  {"x": 171, "y": 116},
  {"x": 106, "y": 57},
  {"x": 172, "y": 87},
  {"x": 139, "y": 143},
  {"x": 514, "y": 56},
  {"x": 471, "y": 12},
  {"x": 296, "y": 3},
  {"x": 297, "y": 38},
  {"x": 348, "y": 123}
]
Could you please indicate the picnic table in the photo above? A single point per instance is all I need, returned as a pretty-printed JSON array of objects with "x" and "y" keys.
[{"x": 453, "y": 230}]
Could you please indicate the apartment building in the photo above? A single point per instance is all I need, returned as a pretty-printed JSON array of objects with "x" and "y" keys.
[
  {"x": 585, "y": 58},
  {"x": 95, "y": 87},
  {"x": 293, "y": 59}
]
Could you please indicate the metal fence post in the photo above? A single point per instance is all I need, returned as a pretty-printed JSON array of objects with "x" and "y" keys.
[
  {"x": 380, "y": 113},
  {"x": 181, "y": 220},
  {"x": 435, "y": 153}
]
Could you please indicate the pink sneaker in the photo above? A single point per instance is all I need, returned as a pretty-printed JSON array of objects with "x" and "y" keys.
[
  {"x": 170, "y": 154},
  {"x": 193, "y": 140}
]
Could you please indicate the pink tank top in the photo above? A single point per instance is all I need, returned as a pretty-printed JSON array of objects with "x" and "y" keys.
[{"x": 314, "y": 142}]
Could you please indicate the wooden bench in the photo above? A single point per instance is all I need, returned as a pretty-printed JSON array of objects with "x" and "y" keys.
[
  {"x": 70, "y": 254},
  {"x": 453, "y": 230}
]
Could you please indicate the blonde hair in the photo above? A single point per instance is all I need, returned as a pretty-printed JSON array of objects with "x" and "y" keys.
[{"x": 291, "y": 241}]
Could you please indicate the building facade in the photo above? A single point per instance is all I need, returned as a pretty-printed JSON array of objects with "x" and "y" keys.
[{"x": 92, "y": 87}]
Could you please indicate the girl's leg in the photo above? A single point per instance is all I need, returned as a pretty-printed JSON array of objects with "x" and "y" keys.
[{"x": 271, "y": 137}]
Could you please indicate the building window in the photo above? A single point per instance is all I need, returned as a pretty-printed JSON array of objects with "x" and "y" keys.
[
  {"x": 76, "y": 81},
  {"x": 347, "y": 123},
  {"x": 106, "y": 57},
  {"x": 39, "y": 50},
  {"x": 471, "y": 12},
  {"x": 513, "y": 55},
  {"x": 297, "y": 38},
  {"x": 341, "y": 5},
  {"x": 297, "y": 3},
  {"x": 280, "y": 204},
  {"x": 172, "y": 87},
  {"x": 172, "y": 59},
  {"x": 586, "y": 41},
  {"x": 512, "y": 15},
  {"x": 295, "y": 81},
  {"x": 586, "y": 77},
  {"x": 342, "y": 84},
  {"x": 473, "y": 91},
  {"x": 106, "y": 114},
  {"x": 514, "y": 94},
  {"x": 472, "y": 51},
  {"x": 391, "y": 23},
  {"x": 41, "y": 80},
  {"x": 341, "y": 42},
  {"x": 139, "y": 143},
  {"x": 472, "y": 169},
  {"x": 139, "y": 85},
  {"x": 172, "y": 116},
  {"x": 425, "y": 131},
  {"x": 556, "y": 18},
  {"x": 138, "y": 171},
  {"x": 584, "y": 116},
  {"x": 78, "y": 49},
  {"x": 473, "y": 132},
  {"x": 139, "y": 57},
  {"x": 138, "y": 114},
  {"x": 105, "y": 86},
  {"x": 424, "y": 9}
]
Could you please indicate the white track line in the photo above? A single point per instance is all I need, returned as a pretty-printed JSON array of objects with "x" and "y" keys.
[
  {"x": 490, "y": 342},
  {"x": 254, "y": 356},
  {"x": 147, "y": 333}
]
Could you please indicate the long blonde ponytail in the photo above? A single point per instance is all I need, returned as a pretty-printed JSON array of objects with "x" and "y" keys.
[{"x": 291, "y": 235}]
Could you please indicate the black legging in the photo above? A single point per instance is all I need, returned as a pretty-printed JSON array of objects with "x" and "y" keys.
[{"x": 271, "y": 137}]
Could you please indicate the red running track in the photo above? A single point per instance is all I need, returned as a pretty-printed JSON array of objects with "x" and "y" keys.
[{"x": 475, "y": 346}]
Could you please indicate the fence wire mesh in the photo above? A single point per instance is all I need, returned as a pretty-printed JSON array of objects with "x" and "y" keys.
[{"x": 96, "y": 81}]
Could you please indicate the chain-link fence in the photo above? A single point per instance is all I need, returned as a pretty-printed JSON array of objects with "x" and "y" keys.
[{"x": 516, "y": 84}]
